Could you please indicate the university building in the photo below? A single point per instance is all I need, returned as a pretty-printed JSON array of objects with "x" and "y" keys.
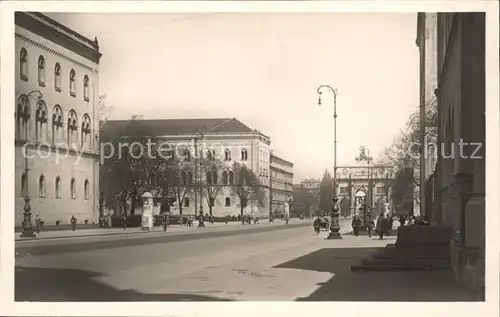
[
  {"x": 458, "y": 189},
  {"x": 227, "y": 140},
  {"x": 56, "y": 88},
  {"x": 281, "y": 183}
]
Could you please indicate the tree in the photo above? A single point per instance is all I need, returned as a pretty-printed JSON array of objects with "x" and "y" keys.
[
  {"x": 326, "y": 192},
  {"x": 127, "y": 172},
  {"x": 303, "y": 201},
  {"x": 246, "y": 187},
  {"x": 103, "y": 110},
  {"x": 211, "y": 168},
  {"x": 404, "y": 151}
]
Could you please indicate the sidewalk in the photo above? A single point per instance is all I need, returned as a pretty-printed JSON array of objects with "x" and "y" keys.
[{"x": 137, "y": 230}]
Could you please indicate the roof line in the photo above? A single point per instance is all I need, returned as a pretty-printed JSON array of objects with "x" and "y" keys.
[{"x": 219, "y": 125}]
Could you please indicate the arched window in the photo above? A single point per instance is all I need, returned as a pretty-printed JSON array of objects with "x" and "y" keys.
[
  {"x": 215, "y": 177},
  {"x": 58, "y": 187},
  {"x": 186, "y": 202},
  {"x": 23, "y": 117},
  {"x": 209, "y": 178},
  {"x": 73, "y": 188},
  {"x": 41, "y": 122},
  {"x": 57, "y": 77},
  {"x": 227, "y": 155},
  {"x": 184, "y": 178},
  {"x": 224, "y": 177},
  {"x": 72, "y": 76},
  {"x": 86, "y": 88},
  {"x": 86, "y": 189},
  {"x": 23, "y": 63},
  {"x": 187, "y": 155},
  {"x": 72, "y": 128},
  {"x": 41, "y": 71},
  {"x": 231, "y": 178},
  {"x": 244, "y": 155},
  {"x": 190, "y": 177},
  {"x": 57, "y": 124},
  {"x": 23, "y": 185},
  {"x": 86, "y": 132},
  {"x": 41, "y": 186},
  {"x": 228, "y": 202}
]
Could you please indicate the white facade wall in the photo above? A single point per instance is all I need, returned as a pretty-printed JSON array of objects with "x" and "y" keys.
[
  {"x": 281, "y": 182},
  {"x": 256, "y": 160},
  {"x": 81, "y": 165}
]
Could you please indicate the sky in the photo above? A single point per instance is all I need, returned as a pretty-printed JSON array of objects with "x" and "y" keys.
[{"x": 264, "y": 70}]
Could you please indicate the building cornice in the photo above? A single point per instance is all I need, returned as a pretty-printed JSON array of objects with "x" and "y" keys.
[
  {"x": 59, "y": 34},
  {"x": 45, "y": 48},
  {"x": 273, "y": 156}
]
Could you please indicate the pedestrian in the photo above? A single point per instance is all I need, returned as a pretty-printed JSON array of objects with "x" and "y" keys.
[
  {"x": 356, "y": 224},
  {"x": 124, "y": 222},
  {"x": 165, "y": 223},
  {"x": 391, "y": 221},
  {"x": 73, "y": 222},
  {"x": 370, "y": 224},
  {"x": 382, "y": 227},
  {"x": 38, "y": 222}
]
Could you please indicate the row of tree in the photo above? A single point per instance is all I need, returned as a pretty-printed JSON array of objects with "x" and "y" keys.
[{"x": 126, "y": 177}]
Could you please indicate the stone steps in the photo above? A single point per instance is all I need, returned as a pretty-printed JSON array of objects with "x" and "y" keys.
[
  {"x": 405, "y": 261},
  {"x": 398, "y": 267},
  {"x": 416, "y": 249}
]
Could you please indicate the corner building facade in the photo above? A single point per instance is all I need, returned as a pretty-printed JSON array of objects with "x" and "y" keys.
[
  {"x": 56, "y": 116},
  {"x": 461, "y": 113},
  {"x": 281, "y": 183}
]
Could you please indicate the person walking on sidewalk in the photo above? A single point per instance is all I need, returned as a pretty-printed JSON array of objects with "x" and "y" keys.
[
  {"x": 370, "y": 224},
  {"x": 382, "y": 227},
  {"x": 165, "y": 223},
  {"x": 39, "y": 223},
  {"x": 356, "y": 224},
  {"x": 73, "y": 222}
]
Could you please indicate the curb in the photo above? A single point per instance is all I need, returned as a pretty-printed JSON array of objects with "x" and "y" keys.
[{"x": 113, "y": 234}]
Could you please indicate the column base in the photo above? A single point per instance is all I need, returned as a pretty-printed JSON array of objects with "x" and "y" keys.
[
  {"x": 28, "y": 234},
  {"x": 334, "y": 236}
]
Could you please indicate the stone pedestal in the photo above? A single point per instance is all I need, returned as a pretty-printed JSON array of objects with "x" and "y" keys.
[{"x": 334, "y": 236}]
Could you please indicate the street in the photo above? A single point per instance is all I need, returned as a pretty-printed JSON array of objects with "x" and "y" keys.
[{"x": 264, "y": 263}]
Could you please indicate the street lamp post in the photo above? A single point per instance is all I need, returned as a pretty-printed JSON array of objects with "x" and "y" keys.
[
  {"x": 364, "y": 155},
  {"x": 201, "y": 221},
  {"x": 27, "y": 225},
  {"x": 334, "y": 225}
]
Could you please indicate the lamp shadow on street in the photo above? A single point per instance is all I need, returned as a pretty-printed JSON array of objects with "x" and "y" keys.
[
  {"x": 392, "y": 286},
  {"x": 66, "y": 285}
]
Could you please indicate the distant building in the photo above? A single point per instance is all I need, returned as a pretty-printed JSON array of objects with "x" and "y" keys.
[
  {"x": 281, "y": 182},
  {"x": 63, "y": 66},
  {"x": 225, "y": 139}
]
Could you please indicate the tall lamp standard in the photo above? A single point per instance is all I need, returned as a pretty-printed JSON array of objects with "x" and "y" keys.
[
  {"x": 201, "y": 222},
  {"x": 364, "y": 155},
  {"x": 25, "y": 101},
  {"x": 334, "y": 226}
]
